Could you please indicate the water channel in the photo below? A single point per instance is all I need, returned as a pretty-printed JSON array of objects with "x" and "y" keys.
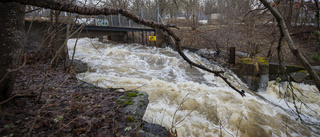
[{"x": 210, "y": 106}]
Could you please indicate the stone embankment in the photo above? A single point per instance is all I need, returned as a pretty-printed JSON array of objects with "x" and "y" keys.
[{"x": 257, "y": 72}]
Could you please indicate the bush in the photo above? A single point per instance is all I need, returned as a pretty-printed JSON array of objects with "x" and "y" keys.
[{"x": 316, "y": 56}]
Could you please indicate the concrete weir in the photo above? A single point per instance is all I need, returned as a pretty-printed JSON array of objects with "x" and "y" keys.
[{"x": 253, "y": 71}]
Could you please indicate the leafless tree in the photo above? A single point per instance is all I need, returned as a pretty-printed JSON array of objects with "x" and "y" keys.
[
  {"x": 285, "y": 33},
  {"x": 12, "y": 41}
]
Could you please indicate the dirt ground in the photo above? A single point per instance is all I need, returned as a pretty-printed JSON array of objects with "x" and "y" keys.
[{"x": 67, "y": 107}]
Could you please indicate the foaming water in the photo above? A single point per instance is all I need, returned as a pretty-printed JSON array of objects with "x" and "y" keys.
[{"x": 211, "y": 108}]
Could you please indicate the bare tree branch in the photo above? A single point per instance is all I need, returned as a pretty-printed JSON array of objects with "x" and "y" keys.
[
  {"x": 68, "y": 7},
  {"x": 13, "y": 70},
  {"x": 291, "y": 45}
]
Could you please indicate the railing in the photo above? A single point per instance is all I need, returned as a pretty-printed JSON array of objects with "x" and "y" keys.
[{"x": 111, "y": 20}]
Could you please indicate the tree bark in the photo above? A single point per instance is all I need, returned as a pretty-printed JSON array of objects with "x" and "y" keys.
[
  {"x": 291, "y": 45},
  {"x": 318, "y": 27},
  {"x": 64, "y": 6},
  {"x": 12, "y": 40}
]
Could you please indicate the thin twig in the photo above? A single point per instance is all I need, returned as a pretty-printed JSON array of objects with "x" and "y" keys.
[
  {"x": 13, "y": 70},
  {"x": 17, "y": 96},
  {"x": 180, "y": 105},
  {"x": 47, "y": 101}
]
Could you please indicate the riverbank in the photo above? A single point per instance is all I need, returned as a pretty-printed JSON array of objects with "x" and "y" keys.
[
  {"x": 67, "y": 107},
  {"x": 262, "y": 41}
]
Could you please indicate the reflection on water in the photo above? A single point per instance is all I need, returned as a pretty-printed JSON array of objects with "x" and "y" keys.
[{"x": 211, "y": 107}]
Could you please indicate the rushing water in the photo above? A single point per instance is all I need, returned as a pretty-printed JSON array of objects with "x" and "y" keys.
[{"x": 211, "y": 107}]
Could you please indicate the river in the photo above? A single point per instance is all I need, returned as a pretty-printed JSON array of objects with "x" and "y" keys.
[{"x": 209, "y": 107}]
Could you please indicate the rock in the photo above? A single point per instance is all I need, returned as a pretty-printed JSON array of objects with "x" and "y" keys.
[
  {"x": 136, "y": 103},
  {"x": 205, "y": 53},
  {"x": 299, "y": 76},
  {"x": 316, "y": 68},
  {"x": 79, "y": 66},
  {"x": 139, "y": 104},
  {"x": 154, "y": 129}
]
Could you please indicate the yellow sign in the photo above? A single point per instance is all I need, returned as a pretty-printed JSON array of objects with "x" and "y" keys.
[{"x": 152, "y": 38}]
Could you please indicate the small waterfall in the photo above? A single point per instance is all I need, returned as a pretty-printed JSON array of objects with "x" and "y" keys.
[{"x": 208, "y": 106}]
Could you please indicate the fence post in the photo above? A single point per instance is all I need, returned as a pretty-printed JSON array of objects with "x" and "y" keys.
[{"x": 232, "y": 59}]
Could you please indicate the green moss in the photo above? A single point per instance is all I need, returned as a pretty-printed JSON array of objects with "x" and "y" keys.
[
  {"x": 302, "y": 71},
  {"x": 142, "y": 101},
  {"x": 260, "y": 60},
  {"x": 126, "y": 100},
  {"x": 118, "y": 101},
  {"x": 305, "y": 71},
  {"x": 132, "y": 94},
  {"x": 130, "y": 119},
  {"x": 246, "y": 60},
  {"x": 130, "y": 103},
  {"x": 140, "y": 94},
  {"x": 295, "y": 66}
]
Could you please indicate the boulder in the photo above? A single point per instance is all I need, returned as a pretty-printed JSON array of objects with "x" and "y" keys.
[
  {"x": 316, "y": 68},
  {"x": 300, "y": 76},
  {"x": 135, "y": 105},
  {"x": 79, "y": 66},
  {"x": 154, "y": 130}
]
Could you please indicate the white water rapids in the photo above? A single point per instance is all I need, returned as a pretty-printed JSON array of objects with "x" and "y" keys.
[{"x": 211, "y": 108}]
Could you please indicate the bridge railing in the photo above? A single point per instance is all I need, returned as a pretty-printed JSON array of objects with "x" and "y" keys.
[{"x": 111, "y": 20}]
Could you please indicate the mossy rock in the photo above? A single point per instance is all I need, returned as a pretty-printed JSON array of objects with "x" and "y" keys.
[
  {"x": 130, "y": 119},
  {"x": 132, "y": 94},
  {"x": 126, "y": 100},
  {"x": 300, "y": 76},
  {"x": 140, "y": 103}
]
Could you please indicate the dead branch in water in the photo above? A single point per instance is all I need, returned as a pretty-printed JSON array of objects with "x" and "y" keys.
[{"x": 68, "y": 7}]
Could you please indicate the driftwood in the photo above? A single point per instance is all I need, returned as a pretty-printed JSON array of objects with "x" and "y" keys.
[{"x": 68, "y": 7}]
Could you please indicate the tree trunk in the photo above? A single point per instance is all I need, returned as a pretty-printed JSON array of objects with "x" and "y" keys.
[
  {"x": 292, "y": 47},
  {"x": 12, "y": 40},
  {"x": 318, "y": 27},
  {"x": 289, "y": 14}
]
